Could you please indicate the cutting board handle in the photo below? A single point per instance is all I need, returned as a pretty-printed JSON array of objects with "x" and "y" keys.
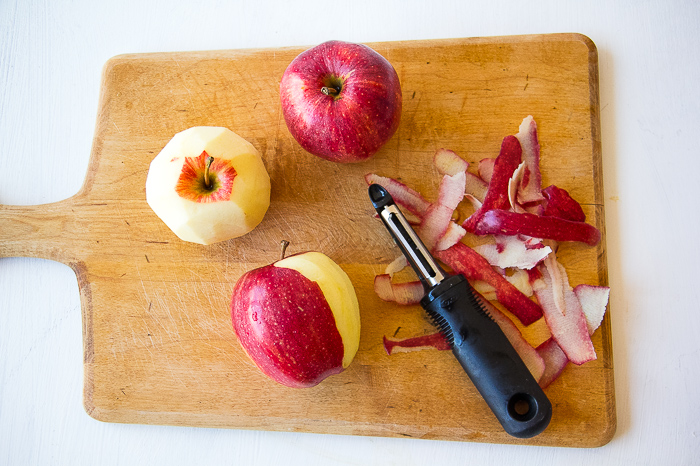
[{"x": 38, "y": 231}]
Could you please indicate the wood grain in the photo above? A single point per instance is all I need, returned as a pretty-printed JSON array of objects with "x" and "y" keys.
[{"x": 158, "y": 344}]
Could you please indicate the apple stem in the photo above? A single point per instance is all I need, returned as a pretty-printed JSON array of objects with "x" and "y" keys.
[
  {"x": 207, "y": 181},
  {"x": 329, "y": 91},
  {"x": 284, "y": 245}
]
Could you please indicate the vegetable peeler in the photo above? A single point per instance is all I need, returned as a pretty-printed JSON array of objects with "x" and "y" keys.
[{"x": 478, "y": 343}]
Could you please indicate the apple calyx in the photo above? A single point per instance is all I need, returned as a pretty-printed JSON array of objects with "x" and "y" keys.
[{"x": 204, "y": 179}]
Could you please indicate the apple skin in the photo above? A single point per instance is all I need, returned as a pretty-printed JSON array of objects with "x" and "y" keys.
[
  {"x": 297, "y": 319},
  {"x": 352, "y": 125},
  {"x": 240, "y": 196}
]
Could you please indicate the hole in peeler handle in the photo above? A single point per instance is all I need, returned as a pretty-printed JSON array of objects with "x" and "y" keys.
[{"x": 522, "y": 407}]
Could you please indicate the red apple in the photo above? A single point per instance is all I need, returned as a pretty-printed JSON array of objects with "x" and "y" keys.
[
  {"x": 298, "y": 319},
  {"x": 341, "y": 101}
]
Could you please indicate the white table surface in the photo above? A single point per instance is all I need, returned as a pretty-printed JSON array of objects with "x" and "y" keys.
[{"x": 51, "y": 56}]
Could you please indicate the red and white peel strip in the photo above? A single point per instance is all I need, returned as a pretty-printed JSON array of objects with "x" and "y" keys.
[
  {"x": 486, "y": 169},
  {"x": 558, "y": 282},
  {"x": 512, "y": 251},
  {"x": 406, "y": 293},
  {"x": 569, "y": 330},
  {"x": 449, "y": 163},
  {"x": 475, "y": 202},
  {"x": 396, "y": 266},
  {"x": 555, "y": 361},
  {"x": 513, "y": 185},
  {"x": 530, "y": 189},
  {"x": 439, "y": 215},
  {"x": 594, "y": 301},
  {"x": 463, "y": 259},
  {"x": 424, "y": 342},
  {"x": 558, "y": 203},
  {"x": 406, "y": 197},
  {"x": 452, "y": 236},
  {"x": 496, "y": 196},
  {"x": 476, "y": 187},
  {"x": 503, "y": 222}
]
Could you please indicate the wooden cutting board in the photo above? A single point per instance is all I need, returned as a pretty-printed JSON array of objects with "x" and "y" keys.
[{"x": 158, "y": 343}]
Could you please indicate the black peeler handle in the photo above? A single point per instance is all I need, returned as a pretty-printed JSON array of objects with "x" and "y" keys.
[{"x": 489, "y": 359}]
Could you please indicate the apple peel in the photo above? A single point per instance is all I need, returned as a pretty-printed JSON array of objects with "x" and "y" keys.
[
  {"x": 558, "y": 203},
  {"x": 519, "y": 279},
  {"x": 439, "y": 215},
  {"x": 568, "y": 328},
  {"x": 513, "y": 184},
  {"x": 406, "y": 197},
  {"x": 396, "y": 266},
  {"x": 405, "y": 293},
  {"x": 448, "y": 162},
  {"x": 496, "y": 197},
  {"x": 463, "y": 259},
  {"x": 474, "y": 201},
  {"x": 513, "y": 251},
  {"x": 452, "y": 236},
  {"x": 485, "y": 169},
  {"x": 555, "y": 361},
  {"x": 503, "y": 222},
  {"x": 424, "y": 342},
  {"x": 476, "y": 187},
  {"x": 594, "y": 301},
  {"x": 529, "y": 189}
]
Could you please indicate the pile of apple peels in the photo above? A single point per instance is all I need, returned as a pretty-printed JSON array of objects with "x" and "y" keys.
[{"x": 525, "y": 224}]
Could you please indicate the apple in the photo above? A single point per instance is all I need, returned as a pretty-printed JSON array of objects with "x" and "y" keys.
[
  {"x": 298, "y": 318},
  {"x": 208, "y": 185},
  {"x": 341, "y": 101}
]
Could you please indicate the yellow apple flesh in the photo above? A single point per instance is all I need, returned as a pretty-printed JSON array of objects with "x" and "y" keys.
[
  {"x": 234, "y": 202},
  {"x": 297, "y": 319}
]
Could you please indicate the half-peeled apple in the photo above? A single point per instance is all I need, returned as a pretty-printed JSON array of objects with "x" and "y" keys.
[{"x": 298, "y": 318}]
